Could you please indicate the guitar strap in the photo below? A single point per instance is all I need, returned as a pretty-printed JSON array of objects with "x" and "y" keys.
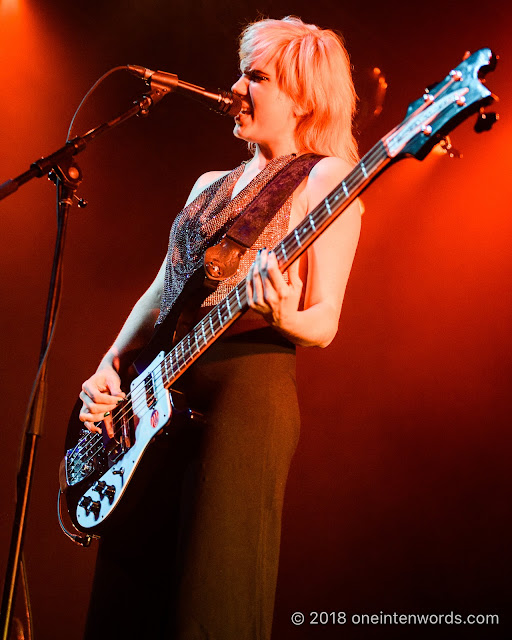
[{"x": 221, "y": 261}]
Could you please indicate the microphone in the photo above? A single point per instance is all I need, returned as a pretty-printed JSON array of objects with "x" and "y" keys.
[{"x": 224, "y": 102}]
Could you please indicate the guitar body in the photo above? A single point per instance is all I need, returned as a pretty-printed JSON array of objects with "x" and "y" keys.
[{"x": 97, "y": 471}]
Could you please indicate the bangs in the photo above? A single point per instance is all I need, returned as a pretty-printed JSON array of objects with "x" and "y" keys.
[{"x": 259, "y": 48}]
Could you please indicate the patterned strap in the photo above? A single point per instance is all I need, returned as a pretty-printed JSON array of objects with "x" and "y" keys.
[{"x": 221, "y": 261}]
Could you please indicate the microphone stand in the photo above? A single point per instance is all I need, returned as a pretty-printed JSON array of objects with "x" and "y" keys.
[{"x": 64, "y": 171}]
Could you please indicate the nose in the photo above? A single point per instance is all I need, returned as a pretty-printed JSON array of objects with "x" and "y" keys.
[{"x": 240, "y": 86}]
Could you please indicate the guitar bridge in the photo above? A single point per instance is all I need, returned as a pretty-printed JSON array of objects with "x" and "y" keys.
[{"x": 84, "y": 459}]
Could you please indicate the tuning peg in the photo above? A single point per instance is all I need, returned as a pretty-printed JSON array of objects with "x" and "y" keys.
[
  {"x": 80, "y": 201},
  {"x": 485, "y": 121},
  {"x": 447, "y": 147}
]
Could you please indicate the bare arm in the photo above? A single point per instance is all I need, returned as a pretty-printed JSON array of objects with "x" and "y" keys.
[
  {"x": 319, "y": 279},
  {"x": 139, "y": 325},
  {"x": 102, "y": 391}
]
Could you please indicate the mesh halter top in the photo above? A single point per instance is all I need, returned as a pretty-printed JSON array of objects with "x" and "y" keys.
[{"x": 206, "y": 220}]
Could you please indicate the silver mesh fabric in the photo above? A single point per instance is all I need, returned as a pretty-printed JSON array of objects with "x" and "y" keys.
[{"x": 206, "y": 220}]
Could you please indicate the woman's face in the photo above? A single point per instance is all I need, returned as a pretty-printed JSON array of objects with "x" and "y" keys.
[{"x": 267, "y": 116}]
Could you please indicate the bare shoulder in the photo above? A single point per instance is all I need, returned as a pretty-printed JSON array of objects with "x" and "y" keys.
[
  {"x": 327, "y": 173},
  {"x": 324, "y": 177},
  {"x": 203, "y": 182}
]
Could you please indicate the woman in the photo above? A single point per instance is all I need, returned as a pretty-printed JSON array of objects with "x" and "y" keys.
[{"x": 208, "y": 526}]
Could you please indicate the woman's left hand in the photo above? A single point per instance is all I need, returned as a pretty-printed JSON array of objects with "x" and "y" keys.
[{"x": 269, "y": 294}]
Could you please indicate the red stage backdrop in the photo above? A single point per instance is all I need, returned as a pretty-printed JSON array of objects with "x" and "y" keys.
[{"x": 399, "y": 494}]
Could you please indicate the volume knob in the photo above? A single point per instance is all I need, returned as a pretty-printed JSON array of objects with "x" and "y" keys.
[
  {"x": 95, "y": 508},
  {"x": 85, "y": 502},
  {"x": 110, "y": 492},
  {"x": 99, "y": 486}
]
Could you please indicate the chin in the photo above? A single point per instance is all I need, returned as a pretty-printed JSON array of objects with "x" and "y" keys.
[{"x": 239, "y": 134}]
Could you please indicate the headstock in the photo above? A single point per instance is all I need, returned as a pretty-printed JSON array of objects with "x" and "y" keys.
[{"x": 443, "y": 106}]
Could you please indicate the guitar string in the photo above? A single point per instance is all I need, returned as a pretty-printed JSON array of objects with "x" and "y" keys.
[
  {"x": 183, "y": 362},
  {"x": 94, "y": 441},
  {"x": 370, "y": 161},
  {"x": 346, "y": 182}
]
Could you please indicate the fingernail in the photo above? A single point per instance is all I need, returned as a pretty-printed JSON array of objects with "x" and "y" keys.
[{"x": 105, "y": 415}]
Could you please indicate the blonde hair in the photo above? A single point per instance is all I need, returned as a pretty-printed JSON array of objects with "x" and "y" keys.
[{"x": 313, "y": 68}]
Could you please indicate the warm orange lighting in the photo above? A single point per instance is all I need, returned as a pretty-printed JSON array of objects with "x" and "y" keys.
[
  {"x": 9, "y": 6},
  {"x": 29, "y": 43}
]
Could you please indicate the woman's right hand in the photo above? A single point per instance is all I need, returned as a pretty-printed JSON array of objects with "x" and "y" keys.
[{"x": 100, "y": 394}]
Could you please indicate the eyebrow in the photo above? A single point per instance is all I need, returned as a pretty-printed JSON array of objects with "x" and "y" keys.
[{"x": 248, "y": 71}]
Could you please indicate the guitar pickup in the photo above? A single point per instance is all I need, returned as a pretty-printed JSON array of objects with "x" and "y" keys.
[
  {"x": 149, "y": 387},
  {"x": 126, "y": 442},
  {"x": 121, "y": 442}
]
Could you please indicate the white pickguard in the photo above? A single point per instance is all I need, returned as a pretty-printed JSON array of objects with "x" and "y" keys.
[{"x": 149, "y": 422}]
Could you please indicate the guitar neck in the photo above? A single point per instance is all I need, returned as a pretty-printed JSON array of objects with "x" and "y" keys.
[
  {"x": 332, "y": 206},
  {"x": 204, "y": 334},
  {"x": 226, "y": 312}
]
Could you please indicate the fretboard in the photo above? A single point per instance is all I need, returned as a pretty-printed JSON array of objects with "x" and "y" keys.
[
  {"x": 222, "y": 316},
  {"x": 204, "y": 334}
]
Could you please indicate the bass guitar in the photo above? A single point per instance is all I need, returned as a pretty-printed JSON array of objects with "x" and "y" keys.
[{"x": 96, "y": 471}]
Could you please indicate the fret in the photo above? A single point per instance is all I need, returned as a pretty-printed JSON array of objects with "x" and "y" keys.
[
  {"x": 226, "y": 314},
  {"x": 189, "y": 348},
  {"x": 297, "y": 240},
  {"x": 238, "y": 298},
  {"x": 219, "y": 315}
]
